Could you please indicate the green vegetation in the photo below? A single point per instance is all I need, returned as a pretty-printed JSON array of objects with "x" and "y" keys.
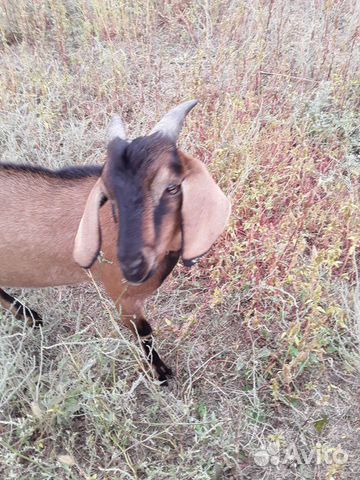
[{"x": 263, "y": 334}]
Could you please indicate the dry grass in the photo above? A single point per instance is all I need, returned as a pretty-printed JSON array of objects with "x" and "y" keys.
[{"x": 264, "y": 333}]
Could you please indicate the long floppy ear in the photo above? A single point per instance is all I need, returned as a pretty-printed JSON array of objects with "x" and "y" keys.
[
  {"x": 88, "y": 237},
  {"x": 205, "y": 211}
]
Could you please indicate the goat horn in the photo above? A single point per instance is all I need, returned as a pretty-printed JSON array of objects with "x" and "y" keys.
[
  {"x": 116, "y": 129},
  {"x": 171, "y": 123}
]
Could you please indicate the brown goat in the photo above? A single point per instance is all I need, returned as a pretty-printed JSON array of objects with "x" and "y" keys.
[{"x": 147, "y": 206}]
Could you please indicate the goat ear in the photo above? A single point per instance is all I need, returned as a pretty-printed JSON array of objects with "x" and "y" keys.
[
  {"x": 205, "y": 211},
  {"x": 88, "y": 237}
]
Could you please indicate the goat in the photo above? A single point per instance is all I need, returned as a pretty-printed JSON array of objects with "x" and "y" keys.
[{"x": 145, "y": 207}]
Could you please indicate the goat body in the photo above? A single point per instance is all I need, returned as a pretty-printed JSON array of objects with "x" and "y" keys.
[{"x": 38, "y": 224}]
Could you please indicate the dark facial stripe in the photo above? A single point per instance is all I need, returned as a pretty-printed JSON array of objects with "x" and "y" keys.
[
  {"x": 127, "y": 191},
  {"x": 131, "y": 212},
  {"x": 176, "y": 164},
  {"x": 159, "y": 213},
  {"x": 168, "y": 264}
]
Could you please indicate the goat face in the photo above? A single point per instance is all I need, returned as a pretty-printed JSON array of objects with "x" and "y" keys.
[
  {"x": 143, "y": 181},
  {"x": 162, "y": 200}
]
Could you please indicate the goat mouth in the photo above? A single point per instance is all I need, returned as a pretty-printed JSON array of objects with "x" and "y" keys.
[{"x": 135, "y": 283}]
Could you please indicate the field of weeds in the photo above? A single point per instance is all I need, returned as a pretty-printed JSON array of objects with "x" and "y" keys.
[{"x": 263, "y": 335}]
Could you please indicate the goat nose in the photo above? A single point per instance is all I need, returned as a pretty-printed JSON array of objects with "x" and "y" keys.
[
  {"x": 134, "y": 267},
  {"x": 133, "y": 263}
]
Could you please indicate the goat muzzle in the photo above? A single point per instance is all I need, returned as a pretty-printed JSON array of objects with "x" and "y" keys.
[{"x": 137, "y": 269}]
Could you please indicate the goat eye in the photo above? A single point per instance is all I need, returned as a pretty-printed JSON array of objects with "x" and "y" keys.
[{"x": 173, "y": 189}]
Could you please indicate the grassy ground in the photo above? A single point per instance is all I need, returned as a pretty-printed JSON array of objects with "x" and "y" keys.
[{"x": 264, "y": 333}]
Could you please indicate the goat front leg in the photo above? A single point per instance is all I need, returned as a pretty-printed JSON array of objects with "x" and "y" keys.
[
  {"x": 19, "y": 310},
  {"x": 132, "y": 315}
]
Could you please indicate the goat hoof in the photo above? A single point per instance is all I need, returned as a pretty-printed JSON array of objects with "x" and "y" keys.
[
  {"x": 34, "y": 320},
  {"x": 37, "y": 323},
  {"x": 168, "y": 371},
  {"x": 163, "y": 381},
  {"x": 164, "y": 373}
]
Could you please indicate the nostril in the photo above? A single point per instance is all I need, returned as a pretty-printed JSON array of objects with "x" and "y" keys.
[
  {"x": 136, "y": 269},
  {"x": 135, "y": 263}
]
